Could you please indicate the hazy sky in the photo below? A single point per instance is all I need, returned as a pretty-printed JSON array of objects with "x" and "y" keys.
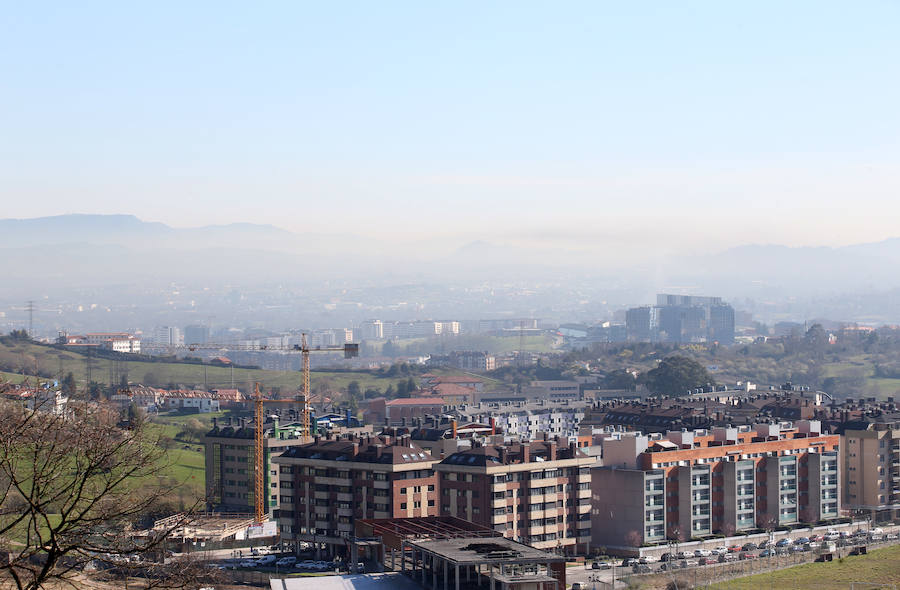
[{"x": 703, "y": 122}]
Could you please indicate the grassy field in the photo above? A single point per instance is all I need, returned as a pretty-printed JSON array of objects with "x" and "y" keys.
[
  {"x": 11, "y": 377},
  {"x": 881, "y": 568},
  {"x": 31, "y": 358},
  {"x": 860, "y": 364}
]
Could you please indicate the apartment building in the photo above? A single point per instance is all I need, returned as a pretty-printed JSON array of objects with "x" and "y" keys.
[
  {"x": 327, "y": 485},
  {"x": 528, "y": 420},
  {"x": 554, "y": 390},
  {"x": 115, "y": 341},
  {"x": 535, "y": 492},
  {"x": 230, "y": 460},
  {"x": 871, "y": 473},
  {"x": 401, "y": 411},
  {"x": 688, "y": 484}
]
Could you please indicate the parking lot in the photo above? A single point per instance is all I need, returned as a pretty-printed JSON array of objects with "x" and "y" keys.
[{"x": 725, "y": 561}]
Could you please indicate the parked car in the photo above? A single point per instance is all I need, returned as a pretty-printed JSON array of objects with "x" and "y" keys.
[
  {"x": 814, "y": 538},
  {"x": 647, "y": 559},
  {"x": 721, "y": 550},
  {"x": 266, "y": 560},
  {"x": 749, "y": 547},
  {"x": 784, "y": 542},
  {"x": 766, "y": 553},
  {"x": 248, "y": 563},
  {"x": 665, "y": 557},
  {"x": 802, "y": 541},
  {"x": 734, "y": 549},
  {"x": 681, "y": 555},
  {"x": 287, "y": 560},
  {"x": 306, "y": 564},
  {"x": 891, "y": 536},
  {"x": 746, "y": 555},
  {"x": 628, "y": 562},
  {"x": 701, "y": 553}
]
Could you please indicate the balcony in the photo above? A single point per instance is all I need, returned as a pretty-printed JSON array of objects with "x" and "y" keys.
[
  {"x": 345, "y": 497},
  {"x": 334, "y": 481},
  {"x": 584, "y": 493},
  {"x": 381, "y": 485}
]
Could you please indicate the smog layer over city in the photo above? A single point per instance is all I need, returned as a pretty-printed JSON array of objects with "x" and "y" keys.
[{"x": 302, "y": 295}]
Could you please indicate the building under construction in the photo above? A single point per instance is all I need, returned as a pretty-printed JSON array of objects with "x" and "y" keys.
[
  {"x": 447, "y": 553},
  {"x": 230, "y": 449}
]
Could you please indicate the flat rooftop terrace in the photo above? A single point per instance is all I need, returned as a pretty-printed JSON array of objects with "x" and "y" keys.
[{"x": 474, "y": 551}]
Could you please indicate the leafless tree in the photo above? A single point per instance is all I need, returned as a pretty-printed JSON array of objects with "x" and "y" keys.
[{"x": 73, "y": 489}]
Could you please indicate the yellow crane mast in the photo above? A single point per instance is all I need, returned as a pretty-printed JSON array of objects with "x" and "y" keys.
[{"x": 350, "y": 350}]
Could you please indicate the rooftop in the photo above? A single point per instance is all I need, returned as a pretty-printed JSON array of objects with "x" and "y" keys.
[{"x": 473, "y": 551}]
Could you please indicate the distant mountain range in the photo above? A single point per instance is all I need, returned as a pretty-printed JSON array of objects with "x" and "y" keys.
[
  {"x": 126, "y": 230},
  {"x": 67, "y": 248}
]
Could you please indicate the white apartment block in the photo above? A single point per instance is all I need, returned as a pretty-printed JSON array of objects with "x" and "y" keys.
[
  {"x": 371, "y": 330},
  {"x": 115, "y": 341},
  {"x": 528, "y": 421},
  {"x": 168, "y": 336}
]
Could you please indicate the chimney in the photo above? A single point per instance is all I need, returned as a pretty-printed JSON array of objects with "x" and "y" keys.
[
  {"x": 502, "y": 452},
  {"x": 379, "y": 450},
  {"x": 493, "y": 426},
  {"x": 355, "y": 450},
  {"x": 453, "y": 426},
  {"x": 551, "y": 450},
  {"x": 525, "y": 452}
]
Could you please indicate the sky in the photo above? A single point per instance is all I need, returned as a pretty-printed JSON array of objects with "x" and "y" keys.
[{"x": 706, "y": 124}]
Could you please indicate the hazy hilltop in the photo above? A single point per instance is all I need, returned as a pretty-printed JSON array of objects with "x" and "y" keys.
[{"x": 64, "y": 251}]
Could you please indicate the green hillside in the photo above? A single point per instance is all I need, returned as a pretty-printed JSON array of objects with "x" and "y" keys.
[{"x": 17, "y": 357}]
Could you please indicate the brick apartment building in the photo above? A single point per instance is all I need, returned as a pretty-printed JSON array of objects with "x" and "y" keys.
[
  {"x": 536, "y": 493},
  {"x": 327, "y": 485},
  {"x": 401, "y": 411},
  {"x": 689, "y": 484},
  {"x": 871, "y": 468}
]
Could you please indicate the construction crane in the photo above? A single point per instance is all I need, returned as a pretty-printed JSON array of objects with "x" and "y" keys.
[{"x": 350, "y": 350}]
